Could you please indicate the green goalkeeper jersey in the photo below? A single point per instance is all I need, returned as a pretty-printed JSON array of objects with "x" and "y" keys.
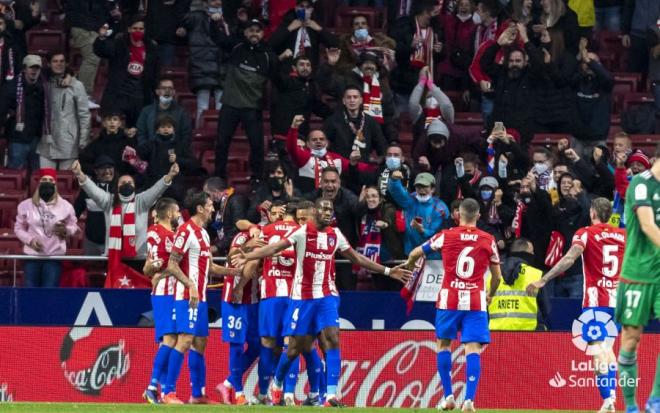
[{"x": 641, "y": 262}]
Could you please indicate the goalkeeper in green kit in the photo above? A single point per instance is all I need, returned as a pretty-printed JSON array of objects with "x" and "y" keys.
[{"x": 638, "y": 294}]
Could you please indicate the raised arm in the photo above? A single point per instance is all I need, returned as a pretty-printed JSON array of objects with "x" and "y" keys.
[{"x": 102, "y": 198}]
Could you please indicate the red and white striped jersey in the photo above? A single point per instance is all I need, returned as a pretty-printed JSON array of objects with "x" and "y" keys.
[
  {"x": 251, "y": 289},
  {"x": 193, "y": 244},
  {"x": 278, "y": 272},
  {"x": 467, "y": 252},
  {"x": 315, "y": 256},
  {"x": 601, "y": 263},
  {"x": 159, "y": 246}
]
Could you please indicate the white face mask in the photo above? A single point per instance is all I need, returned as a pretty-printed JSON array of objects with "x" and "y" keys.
[
  {"x": 319, "y": 153},
  {"x": 540, "y": 167},
  {"x": 476, "y": 18},
  {"x": 423, "y": 198}
]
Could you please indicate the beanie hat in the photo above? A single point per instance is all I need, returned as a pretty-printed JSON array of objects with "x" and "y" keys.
[
  {"x": 437, "y": 127},
  {"x": 639, "y": 156}
]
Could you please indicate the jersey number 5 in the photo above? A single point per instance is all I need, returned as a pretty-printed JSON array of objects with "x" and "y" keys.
[{"x": 610, "y": 260}]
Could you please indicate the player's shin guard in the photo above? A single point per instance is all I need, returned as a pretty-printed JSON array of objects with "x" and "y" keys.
[
  {"x": 628, "y": 376},
  {"x": 333, "y": 364},
  {"x": 236, "y": 366},
  {"x": 197, "y": 372},
  {"x": 265, "y": 369},
  {"x": 444, "y": 371},
  {"x": 313, "y": 365},
  {"x": 292, "y": 376},
  {"x": 173, "y": 369},
  {"x": 472, "y": 371},
  {"x": 160, "y": 366}
]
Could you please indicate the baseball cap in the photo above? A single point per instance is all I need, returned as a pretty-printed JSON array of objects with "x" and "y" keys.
[
  {"x": 254, "y": 22},
  {"x": 425, "y": 179},
  {"x": 32, "y": 60},
  {"x": 103, "y": 160},
  {"x": 489, "y": 181}
]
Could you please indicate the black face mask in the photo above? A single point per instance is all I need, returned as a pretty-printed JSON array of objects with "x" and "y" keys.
[
  {"x": 46, "y": 191},
  {"x": 275, "y": 183},
  {"x": 126, "y": 190}
]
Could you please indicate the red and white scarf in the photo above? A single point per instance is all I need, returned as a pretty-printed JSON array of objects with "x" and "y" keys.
[
  {"x": 473, "y": 182},
  {"x": 371, "y": 96},
  {"x": 121, "y": 244},
  {"x": 516, "y": 223},
  {"x": 10, "y": 60},
  {"x": 370, "y": 240},
  {"x": 137, "y": 56},
  {"x": 423, "y": 55},
  {"x": 555, "y": 250},
  {"x": 318, "y": 167},
  {"x": 20, "y": 104},
  {"x": 409, "y": 291}
]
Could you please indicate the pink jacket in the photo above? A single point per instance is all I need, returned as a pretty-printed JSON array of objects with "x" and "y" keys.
[{"x": 36, "y": 222}]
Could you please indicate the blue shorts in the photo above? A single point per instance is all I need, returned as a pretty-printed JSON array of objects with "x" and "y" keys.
[
  {"x": 272, "y": 314},
  {"x": 164, "y": 319},
  {"x": 309, "y": 317},
  {"x": 473, "y": 325},
  {"x": 600, "y": 318},
  {"x": 192, "y": 321},
  {"x": 240, "y": 322}
]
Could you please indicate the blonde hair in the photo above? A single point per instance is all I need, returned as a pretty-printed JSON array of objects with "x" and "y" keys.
[{"x": 557, "y": 10}]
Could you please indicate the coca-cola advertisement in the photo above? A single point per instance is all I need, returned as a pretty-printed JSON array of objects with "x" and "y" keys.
[{"x": 384, "y": 368}]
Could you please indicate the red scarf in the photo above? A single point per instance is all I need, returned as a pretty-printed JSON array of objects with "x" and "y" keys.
[
  {"x": 370, "y": 240},
  {"x": 409, "y": 291},
  {"x": 473, "y": 182},
  {"x": 431, "y": 114},
  {"x": 555, "y": 250},
  {"x": 318, "y": 168},
  {"x": 20, "y": 104},
  {"x": 516, "y": 224},
  {"x": 10, "y": 60},
  {"x": 372, "y": 97},
  {"x": 423, "y": 55},
  {"x": 121, "y": 244},
  {"x": 136, "y": 60}
]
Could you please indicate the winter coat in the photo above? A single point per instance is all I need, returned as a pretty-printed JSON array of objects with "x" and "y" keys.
[
  {"x": 537, "y": 225},
  {"x": 348, "y": 57},
  {"x": 341, "y": 137},
  {"x": 111, "y": 146},
  {"x": 594, "y": 101},
  {"x": 459, "y": 48},
  {"x": 33, "y": 118},
  {"x": 88, "y": 15},
  {"x": 163, "y": 19},
  {"x": 156, "y": 152},
  {"x": 70, "y": 122},
  {"x": 555, "y": 101},
  {"x": 569, "y": 216},
  {"x": 146, "y": 124},
  {"x": 264, "y": 193},
  {"x": 205, "y": 61}
]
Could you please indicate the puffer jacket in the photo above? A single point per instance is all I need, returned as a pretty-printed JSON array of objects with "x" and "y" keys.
[
  {"x": 205, "y": 63},
  {"x": 70, "y": 122}
]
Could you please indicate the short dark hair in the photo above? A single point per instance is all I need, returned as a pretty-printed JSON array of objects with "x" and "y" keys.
[
  {"x": 421, "y": 6},
  {"x": 277, "y": 203},
  {"x": 351, "y": 87},
  {"x": 490, "y": 6},
  {"x": 359, "y": 15},
  {"x": 164, "y": 79},
  {"x": 272, "y": 166},
  {"x": 165, "y": 120},
  {"x": 50, "y": 55},
  {"x": 301, "y": 57},
  {"x": 542, "y": 149},
  {"x": 163, "y": 206},
  {"x": 330, "y": 169},
  {"x": 560, "y": 163},
  {"x": 138, "y": 18},
  {"x": 603, "y": 208},
  {"x": 292, "y": 207},
  {"x": 215, "y": 183},
  {"x": 305, "y": 204},
  {"x": 521, "y": 244},
  {"x": 469, "y": 209},
  {"x": 196, "y": 199}
]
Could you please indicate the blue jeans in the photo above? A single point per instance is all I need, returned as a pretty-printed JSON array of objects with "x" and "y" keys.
[
  {"x": 22, "y": 155},
  {"x": 608, "y": 18},
  {"x": 569, "y": 286},
  {"x": 487, "y": 106},
  {"x": 166, "y": 54},
  {"x": 42, "y": 273}
]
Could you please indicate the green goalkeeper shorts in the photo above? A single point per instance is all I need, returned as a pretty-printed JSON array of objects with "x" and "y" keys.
[{"x": 637, "y": 304}]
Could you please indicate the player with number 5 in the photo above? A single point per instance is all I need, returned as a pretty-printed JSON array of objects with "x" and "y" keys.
[
  {"x": 601, "y": 247},
  {"x": 467, "y": 254}
]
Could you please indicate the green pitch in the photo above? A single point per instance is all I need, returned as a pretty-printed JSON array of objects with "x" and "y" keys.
[{"x": 142, "y": 408}]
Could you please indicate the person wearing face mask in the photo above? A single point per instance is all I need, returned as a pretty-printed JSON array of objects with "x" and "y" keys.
[
  {"x": 360, "y": 40},
  {"x": 496, "y": 215},
  {"x": 424, "y": 214},
  {"x": 111, "y": 141},
  {"x": 164, "y": 105},
  {"x": 314, "y": 157},
  {"x": 126, "y": 212},
  {"x": 394, "y": 161},
  {"x": 70, "y": 121},
  {"x": 276, "y": 187},
  {"x": 460, "y": 179},
  {"x": 542, "y": 168},
  {"x": 43, "y": 223},
  {"x": 133, "y": 68}
]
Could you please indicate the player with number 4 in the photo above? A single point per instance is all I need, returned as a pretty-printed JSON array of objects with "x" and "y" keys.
[
  {"x": 467, "y": 254},
  {"x": 601, "y": 247}
]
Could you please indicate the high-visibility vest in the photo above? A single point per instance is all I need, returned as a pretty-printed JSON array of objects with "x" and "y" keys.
[{"x": 512, "y": 309}]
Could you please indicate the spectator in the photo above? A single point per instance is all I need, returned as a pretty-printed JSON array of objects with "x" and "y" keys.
[
  {"x": 277, "y": 186},
  {"x": 296, "y": 92},
  {"x": 562, "y": 23},
  {"x": 301, "y": 35},
  {"x": 419, "y": 41},
  {"x": 205, "y": 64},
  {"x": 27, "y": 99},
  {"x": 542, "y": 169},
  {"x": 21, "y": 16},
  {"x": 608, "y": 15},
  {"x": 622, "y": 147},
  {"x": 496, "y": 215},
  {"x": 522, "y": 11},
  {"x": 593, "y": 84},
  {"x": 112, "y": 142},
  {"x": 164, "y": 24},
  {"x": 249, "y": 67},
  {"x": 638, "y": 16},
  {"x": 424, "y": 214},
  {"x": 123, "y": 206},
  {"x": 379, "y": 237},
  {"x": 513, "y": 82},
  {"x": 229, "y": 207},
  {"x": 133, "y": 65},
  {"x": 461, "y": 180},
  {"x": 578, "y": 165},
  {"x": 571, "y": 214},
  {"x": 603, "y": 180},
  {"x": 429, "y": 150},
  {"x": 427, "y": 103},
  {"x": 70, "y": 120},
  {"x": 509, "y": 161},
  {"x": 459, "y": 31},
  {"x": 345, "y": 206},
  {"x": 315, "y": 157},
  {"x": 94, "y": 241},
  {"x": 654, "y": 64},
  {"x": 43, "y": 223},
  {"x": 351, "y": 45},
  {"x": 379, "y": 178},
  {"x": 164, "y": 106},
  {"x": 532, "y": 218},
  {"x": 558, "y": 169},
  {"x": 164, "y": 150},
  {"x": 349, "y": 128},
  {"x": 84, "y": 17},
  {"x": 8, "y": 63},
  {"x": 370, "y": 77}
]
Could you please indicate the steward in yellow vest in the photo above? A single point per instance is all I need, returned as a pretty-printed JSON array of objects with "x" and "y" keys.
[{"x": 512, "y": 308}]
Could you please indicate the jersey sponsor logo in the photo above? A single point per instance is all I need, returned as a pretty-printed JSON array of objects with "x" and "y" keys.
[
  {"x": 641, "y": 192},
  {"x": 241, "y": 239},
  {"x": 594, "y": 331},
  {"x": 168, "y": 245},
  {"x": 179, "y": 241},
  {"x": 135, "y": 68},
  {"x": 318, "y": 256}
]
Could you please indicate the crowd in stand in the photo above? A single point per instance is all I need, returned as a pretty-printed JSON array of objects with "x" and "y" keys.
[{"x": 527, "y": 66}]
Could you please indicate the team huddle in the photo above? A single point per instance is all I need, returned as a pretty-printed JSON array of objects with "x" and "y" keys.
[{"x": 280, "y": 300}]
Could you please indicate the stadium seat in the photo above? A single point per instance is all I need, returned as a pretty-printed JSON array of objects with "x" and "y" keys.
[
  {"x": 66, "y": 182},
  {"x": 43, "y": 42},
  {"x": 647, "y": 143},
  {"x": 635, "y": 99},
  {"x": 210, "y": 120},
  {"x": 468, "y": 118},
  {"x": 9, "y": 201},
  {"x": 626, "y": 82},
  {"x": 344, "y": 16},
  {"x": 11, "y": 179},
  {"x": 188, "y": 102},
  {"x": 9, "y": 242},
  {"x": 543, "y": 139}
]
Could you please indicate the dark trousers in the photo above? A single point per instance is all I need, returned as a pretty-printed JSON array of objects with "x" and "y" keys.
[
  {"x": 42, "y": 273},
  {"x": 252, "y": 121},
  {"x": 638, "y": 54}
]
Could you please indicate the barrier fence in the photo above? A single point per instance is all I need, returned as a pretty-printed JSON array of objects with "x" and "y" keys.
[{"x": 384, "y": 369}]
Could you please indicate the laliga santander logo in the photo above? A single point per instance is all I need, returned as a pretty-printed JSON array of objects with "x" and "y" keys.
[{"x": 594, "y": 326}]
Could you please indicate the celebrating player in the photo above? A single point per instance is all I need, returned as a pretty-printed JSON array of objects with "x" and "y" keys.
[
  {"x": 313, "y": 310},
  {"x": 190, "y": 262},
  {"x": 467, "y": 254},
  {"x": 638, "y": 294},
  {"x": 601, "y": 247},
  {"x": 160, "y": 238}
]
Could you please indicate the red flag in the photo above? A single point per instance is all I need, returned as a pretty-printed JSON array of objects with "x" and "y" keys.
[
  {"x": 409, "y": 291},
  {"x": 555, "y": 250},
  {"x": 121, "y": 275}
]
